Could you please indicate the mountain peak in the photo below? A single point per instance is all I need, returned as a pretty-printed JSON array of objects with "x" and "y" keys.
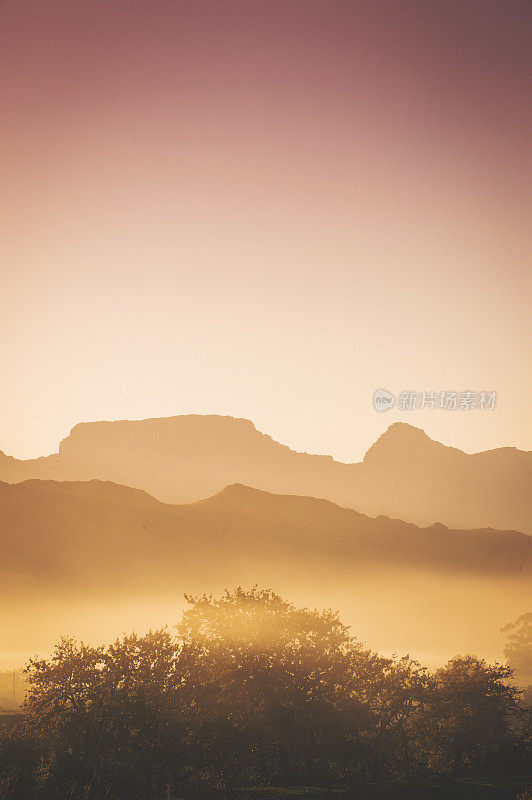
[
  {"x": 398, "y": 437},
  {"x": 403, "y": 430},
  {"x": 237, "y": 491}
]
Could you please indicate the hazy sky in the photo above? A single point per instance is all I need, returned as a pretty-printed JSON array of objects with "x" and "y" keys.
[{"x": 264, "y": 209}]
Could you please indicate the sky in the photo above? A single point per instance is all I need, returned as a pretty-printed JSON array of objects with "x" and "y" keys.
[{"x": 268, "y": 210}]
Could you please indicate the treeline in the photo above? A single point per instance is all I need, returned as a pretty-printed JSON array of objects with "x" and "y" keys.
[{"x": 252, "y": 691}]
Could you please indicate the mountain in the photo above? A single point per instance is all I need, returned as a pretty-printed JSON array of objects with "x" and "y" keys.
[
  {"x": 95, "y": 558},
  {"x": 405, "y": 474},
  {"x": 66, "y": 533}
]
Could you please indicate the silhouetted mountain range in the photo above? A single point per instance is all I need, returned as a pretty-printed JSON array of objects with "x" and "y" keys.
[
  {"x": 93, "y": 557},
  {"x": 405, "y": 474},
  {"x": 101, "y": 534}
]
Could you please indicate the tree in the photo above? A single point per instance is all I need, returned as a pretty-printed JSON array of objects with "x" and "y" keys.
[
  {"x": 394, "y": 691},
  {"x": 518, "y": 652},
  {"x": 470, "y": 714},
  {"x": 251, "y": 691},
  {"x": 274, "y": 681},
  {"x": 108, "y": 714}
]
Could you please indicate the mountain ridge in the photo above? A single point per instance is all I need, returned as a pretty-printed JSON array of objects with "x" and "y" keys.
[
  {"x": 111, "y": 551},
  {"x": 74, "y": 512},
  {"x": 405, "y": 474},
  {"x": 391, "y": 429}
]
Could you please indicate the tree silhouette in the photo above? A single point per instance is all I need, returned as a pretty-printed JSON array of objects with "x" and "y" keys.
[
  {"x": 518, "y": 652},
  {"x": 253, "y": 691},
  {"x": 471, "y": 713}
]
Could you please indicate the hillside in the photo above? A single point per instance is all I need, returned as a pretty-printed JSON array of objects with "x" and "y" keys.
[
  {"x": 94, "y": 558},
  {"x": 404, "y": 474},
  {"x": 61, "y": 532}
]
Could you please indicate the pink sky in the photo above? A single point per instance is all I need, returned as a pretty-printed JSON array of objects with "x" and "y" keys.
[{"x": 265, "y": 209}]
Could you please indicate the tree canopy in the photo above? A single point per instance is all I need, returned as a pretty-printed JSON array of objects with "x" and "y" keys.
[{"x": 251, "y": 690}]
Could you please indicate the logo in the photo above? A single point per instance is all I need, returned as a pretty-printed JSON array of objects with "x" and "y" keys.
[{"x": 383, "y": 400}]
